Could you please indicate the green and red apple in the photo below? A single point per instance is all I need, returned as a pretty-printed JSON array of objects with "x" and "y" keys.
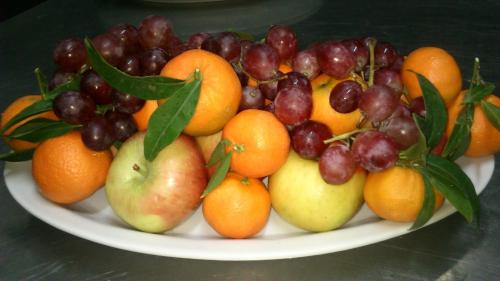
[
  {"x": 301, "y": 196},
  {"x": 155, "y": 196}
]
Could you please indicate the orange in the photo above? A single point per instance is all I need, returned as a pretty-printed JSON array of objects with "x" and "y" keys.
[
  {"x": 259, "y": 141},
  {"x": 485, "y": 138},
  {"x": 339, "y": 123},
  {"x": 284, "y": 68},
  {"x": 438, "y": 66},
  {"x": 142, "y": 116},
  {"x": 12, "y": 110},
  {"x": 238, "y": 208},
  {"x": 66, "y": 171},
  {"x": 220, "y": 89},
  {"x": 396, "y": 194}
]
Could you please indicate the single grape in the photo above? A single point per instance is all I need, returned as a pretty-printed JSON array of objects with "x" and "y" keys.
[
  {"x": 417, "y": 106},
  {"x": 335, "y": 59},
  {"x": 131, "y": 65},
  {"x": 123, "y": 124},
  {"x": 270, "y": 89},
  {"x": 175, "y": 47},
  {"x": 307, "y": 139},
  {"x": 230, "y": 47},
  {"x": 296, "y": 80},
  {"x": 292, "y": 106},
  {"x": 128, "y": 36},
  {"x": 127, "y": 103},
  {"x": 360, "y": 52},
  {"x": 375, "y": 151},
  {"x": 211, "y": 44},
  {"x": 155, "y": 32},
  {"x": 337, "y": 164},
  {"x": 153, "y": 60},
  {"x": 60, "y": 78},
  {"x": 401, "y": 110},
  {"x": 344, "y": 97},
  {"x": 284, "y": 40},
  {"x": 97, "y": 134},
  {"x": 385, "y": 54},
  {"x": 397, "y": 65},
  {"x": 261, "y": 61},
  {"x": 402, "y": 130},
  {"x": 251, "y": 97},
  {"x": 241, "y": 75},
  {"x": 93, "y": 85},
  {"x": 245, "y": 45},
  {"x": 110, "y": 47},
  {"x": 70, "y": 55},
  {"x": 378, "y": 102},
  {"x": 195, "y": 40},
  {"x": 390, "y": 78},
  {"x": 306, "y": 62},
  {"x": 73, "y": 107}
]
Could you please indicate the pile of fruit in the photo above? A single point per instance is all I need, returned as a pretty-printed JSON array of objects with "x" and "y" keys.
[{"x": 167, "y": 126}]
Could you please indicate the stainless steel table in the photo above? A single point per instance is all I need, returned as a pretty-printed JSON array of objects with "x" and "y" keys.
[{"x": 449, "y": 250}]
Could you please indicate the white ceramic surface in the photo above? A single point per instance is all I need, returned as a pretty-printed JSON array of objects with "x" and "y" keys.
[{"x": 94, "y": 220}]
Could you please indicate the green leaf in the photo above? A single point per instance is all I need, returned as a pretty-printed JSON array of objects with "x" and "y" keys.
[
  {"x": 42, "y": 81},
  {"x": 427, "y": 210},
  {"x": 169, "y": 119},
  {"x": 40, "y": 129},
  {"x": 436, "y": 113},
  {"x": 71, "y": 85},
  {"x": 17, "y": 156},
  {"x": 492, "y": 112},
  {"x": 459, "y": 139},
  {"x": 218, "y": 153},
  {"x": 219, "y": 174},
  {"x": 35, "y": 108},
  {"x": 147, "y": 87},
  {"x": 453, "y": 183},
  {"x": 478, "y": 92}
]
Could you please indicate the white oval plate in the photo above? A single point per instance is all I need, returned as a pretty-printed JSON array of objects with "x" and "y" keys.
[{"x": 94, "y": 220}]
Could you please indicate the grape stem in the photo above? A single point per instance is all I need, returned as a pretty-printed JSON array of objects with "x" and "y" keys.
[
  {"x": 371, "y": 46},
  {"x": 240, "y": 67},
  {"x": 346, "y": 135}
]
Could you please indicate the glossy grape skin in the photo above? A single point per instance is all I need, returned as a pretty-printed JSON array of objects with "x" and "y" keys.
[
  {"x": 211, "y": 44},
  {"x": 270, "y": 89},
  {"x": 385, "y": 54},
  {"x": 378, "y": 102},
  {"x": 155, "y": 32},
  {"x": 128, "y": 36},
  {"x": 73, "y": 107},
  {"x": 60, "y": 78},
  {"x": 359, "y": 51},
  {"x": 93, "y": 85},
  {"x": 245, "y": 45},
  {"x": 98, "y": 134},
  {"x": 195, "y": 40},
  {"x": 344, "y": 97},
  {"x": 296, "y": 80},
  {"x": 374, "y": 151},
  {"x": 307, "y": 139},
  {"x": 175, "y": 47},
  {"x": 390, "y": 78},
  {"x": 110, "y": 48},
  {"x": 230, "y": 47},
  {"x": 337, "y": 164},
  {"x": 402, "y": 130},
  {"x": 153, "y": 60},
  {"x": 401, "y": 110},
  {"x": 335, "y": 59},
  {"x": 292, "y": 106},
  {"x": 284, "y": 40},
  {"x": 397, "y": 65},
  {"x": 70, "y": 55},
  {"x": 251, "y": 97},
  {"x": 417, "y": 106},
  {"x": 131, "y": 65},
  {"x": 261, "y": 61},
  {"x": 127, "y": 103},
  {"x": 306, "y": 62},
  {"x": 123, "y": 125}
]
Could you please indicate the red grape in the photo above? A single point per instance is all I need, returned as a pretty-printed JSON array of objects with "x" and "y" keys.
[
  {"x": 153, "y": 60},
  {"x": 385, "y": 54},
  {"x": 73, "y": 107},
  {"x": 93, "y": 85},
  {"x": 360, "y": 52},
  {"x": 417, "y": 106},
  {"x": 110, "y": 48},
  {"x": 270, "y": 89},
  {"x": 337, "y": 164},
  {"x": 230, "y": 47},
  {"x": 307, "y": 139},
  {"x": 211, "y": 44},
  {"x": 306, "y": 62},
  {"x": 284, "y": 40},
  {"x": 402, "y": 130},
  {"x": 195, "y": 40},
  {"x": 251, "y": 97},
  {"x": 261, "y": 61},
  {"x": 375, "y": 151},
  {"x": 70, "y": 55},
  {"x": 296, "y": 80},
  {"x": 292, "y": 106},
  {"x": 127, "y": 103},
  {"x": 60, "y": 78},
  {"x": 335, "y": 59},
  {"x": 378, "y": 102},
  {"x": 390, "y": 78},
  {"x": 241, "y": 75},
  {"x": 97, "y": 134},
  {"x": 131, "y": 65},
  {"x": 128, "y": 36},
  {"x": 123, "y": 125},
  {"x": 344, "y": 97},
  {"x": 155, "y": 32}
]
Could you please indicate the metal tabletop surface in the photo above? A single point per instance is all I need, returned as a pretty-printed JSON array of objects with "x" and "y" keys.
[{"x": 448, "y": 250}]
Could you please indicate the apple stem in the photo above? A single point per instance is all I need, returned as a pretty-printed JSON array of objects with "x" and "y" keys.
[
  {"x": 138, "y": 169},
  {"x": 245, "y": 181}
]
